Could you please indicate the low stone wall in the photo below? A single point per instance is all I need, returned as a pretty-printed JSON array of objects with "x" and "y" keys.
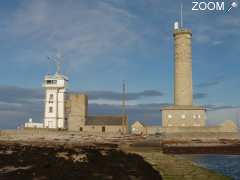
[
  {"x": 54, "y": 135},
  {"x": 153, "y": 129},
  {"x": 206, "y": 136},
  {"x": 213, "y": 129}
]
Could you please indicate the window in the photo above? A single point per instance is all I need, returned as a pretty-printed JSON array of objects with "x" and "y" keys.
[
  {"x": 50, "y": 98},
  {"x": 50, "y": 109},
  {"x": 51, "y": 81},
  {"x": 194, "y": 116},
  {"x": 199, "y": 116},
  {"x": 80, "y": 129},
  {"x": 169, "y": 116},
  {"x": 183, "y": 116}
]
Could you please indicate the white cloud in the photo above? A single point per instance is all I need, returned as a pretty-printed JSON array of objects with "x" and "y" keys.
[
  {"x": 83, "y": 31},
  {"x": 229, "y": 21},
  {"x": 202, "y": 38}
]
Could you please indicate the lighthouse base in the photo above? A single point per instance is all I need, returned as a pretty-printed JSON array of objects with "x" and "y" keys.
[{"x": 183, "y": 116}]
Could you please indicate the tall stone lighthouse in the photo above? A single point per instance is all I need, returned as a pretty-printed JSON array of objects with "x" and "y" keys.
[
  {"x": 183, "y": 113},
  {"x": 183, "y": 67}
]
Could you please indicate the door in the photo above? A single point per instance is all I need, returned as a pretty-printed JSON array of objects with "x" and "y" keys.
[
  {"x": 50, "y": 124},
  {"x": 103, "y": 129}
]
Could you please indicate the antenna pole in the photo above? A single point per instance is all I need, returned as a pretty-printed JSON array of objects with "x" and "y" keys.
[
  {"x": 58, "y": 66},
  {"x": 237, "y": 118},
  {"x": 181, "y": 15},
  {"x": 124, "y": 98},
  {"x": 48, "y": 68},
  {"x": 124, "y": 120},
  {"x": 57, "y": 62}
]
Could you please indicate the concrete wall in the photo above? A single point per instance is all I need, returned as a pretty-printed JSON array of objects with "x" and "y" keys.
[
  {"x": 183, "y": 118},
  {"x": 183, "y": 67}
]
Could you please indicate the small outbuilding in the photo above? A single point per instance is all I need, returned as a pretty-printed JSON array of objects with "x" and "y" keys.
[{"x": 138, "y": 128}]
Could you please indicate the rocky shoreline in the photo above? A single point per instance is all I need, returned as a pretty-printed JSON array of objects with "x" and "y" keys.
[
  {"x": 42, "y": 161},
  {"x": 51, "y": 161},
  {"x": 42, "y": 154}
]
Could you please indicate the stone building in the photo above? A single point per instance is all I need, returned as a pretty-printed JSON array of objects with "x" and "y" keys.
[
  {"x": 79, "y": 120},
  {"x": 183, "y": 113},
  {"x": 226, "y": 130},
  {"x": 69, "y": 111},
  {"x": 183, "y": 116},
  {"x": 142, "y": 129},
  {"x": 138, "y": 128}
]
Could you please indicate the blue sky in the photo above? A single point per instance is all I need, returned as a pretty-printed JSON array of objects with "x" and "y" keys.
[{"x": 106, "y": 41}]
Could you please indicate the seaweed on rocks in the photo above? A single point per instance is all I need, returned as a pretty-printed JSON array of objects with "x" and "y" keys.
[{"x": 77, "y": 162}]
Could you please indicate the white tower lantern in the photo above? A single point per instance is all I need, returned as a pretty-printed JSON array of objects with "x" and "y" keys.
[
  {"x": 176, "y": 25},
  {"x": 55, "y": 89}
]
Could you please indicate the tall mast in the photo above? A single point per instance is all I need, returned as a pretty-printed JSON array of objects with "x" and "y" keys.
[
  {"x": 124, "y": 119},
  {"x": 124, "y": 98},
  {"x": 181, "y": 15}
]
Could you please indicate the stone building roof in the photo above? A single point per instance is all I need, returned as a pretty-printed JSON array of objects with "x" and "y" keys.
[
  {"x": 137, "y": 124},
  {"x": 105, "y": 120}
]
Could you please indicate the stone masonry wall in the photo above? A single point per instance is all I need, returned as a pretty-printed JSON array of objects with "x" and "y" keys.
[
  {"x": 183, "y": 67},
  {"x": 77, "y": 115}
]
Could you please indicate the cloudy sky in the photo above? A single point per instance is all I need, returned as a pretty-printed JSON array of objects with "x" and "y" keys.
[{"x": 106, "y": 41}]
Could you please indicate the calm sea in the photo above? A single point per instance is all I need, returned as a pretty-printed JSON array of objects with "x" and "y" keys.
[{"x": 228, "y": 165}]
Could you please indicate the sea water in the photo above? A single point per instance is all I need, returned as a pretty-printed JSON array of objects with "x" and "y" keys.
[{"x": 228, "y": 165}]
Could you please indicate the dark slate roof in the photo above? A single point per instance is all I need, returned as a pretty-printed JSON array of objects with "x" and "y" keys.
[{"x": 104, "y": 120}]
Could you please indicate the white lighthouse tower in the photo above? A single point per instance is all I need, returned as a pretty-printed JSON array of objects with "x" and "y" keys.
[{"x": 55, "y": 88}]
